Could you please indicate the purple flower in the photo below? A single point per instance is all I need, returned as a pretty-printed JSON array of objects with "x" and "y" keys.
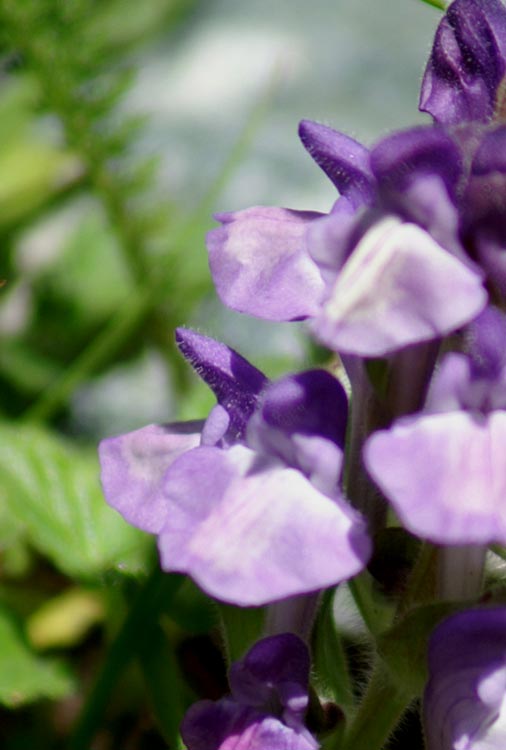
[
  {"x": 464, "y": 89},
  {"x": 465, "y": 698},
  {"x": 253, "y": 512},
  {"x": 260, "y": 254},
  {"x": 483, "y": 203},
  {"x": 394, "y": 228},
  {"x": 267, "y": 707},
  {"x": 444, "y": 470},
  {"x": 465, "y": 76}
]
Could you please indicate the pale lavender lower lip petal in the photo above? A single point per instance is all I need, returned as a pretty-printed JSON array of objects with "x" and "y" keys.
[
  {"x": 260, "y": 263},
  {"x": 448, "y": 387},
  {"x": 250, "y": 531},
  {"x": 133, "y": 466},
  {"x": 445, "y": 475},
  {"x": 465, "y": 696},
  {"x": 393, "y": 291}
]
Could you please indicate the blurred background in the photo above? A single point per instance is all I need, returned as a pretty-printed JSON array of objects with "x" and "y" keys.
[{"x": 123, "y": 126}]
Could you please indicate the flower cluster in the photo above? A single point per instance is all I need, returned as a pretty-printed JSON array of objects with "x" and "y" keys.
[{"x": 274, "y": 496}]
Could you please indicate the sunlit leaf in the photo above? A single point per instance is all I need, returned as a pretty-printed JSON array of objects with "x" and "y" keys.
[
  {"x": 24, "y": 676},
  {"x": 52, "y": 489}
]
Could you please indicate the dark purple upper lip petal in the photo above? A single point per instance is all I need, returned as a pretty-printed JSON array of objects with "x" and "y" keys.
[
  {"x": 234, "y": 381},
  {"x": 344, "y": 160},
  {"x": 464, "y": 77},
  {"x": 406, "y": 155}
]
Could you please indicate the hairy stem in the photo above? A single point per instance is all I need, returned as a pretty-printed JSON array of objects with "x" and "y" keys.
[{"x": 380, "y": 710}]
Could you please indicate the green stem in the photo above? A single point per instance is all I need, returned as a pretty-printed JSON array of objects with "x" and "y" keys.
[
  {"x": 150, "y": 601},
  {"x": 380, "y": 710},
  {"x": 376, "y": 616},
  {"x": 421, "y": 585},
  {"x": 330, "y": 656},
  {"x": 460, "y": 572},
  {"x": 240, "y": 628},
  {"x": 163, "y": 681}
]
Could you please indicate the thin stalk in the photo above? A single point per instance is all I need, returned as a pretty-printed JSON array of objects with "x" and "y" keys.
[
  {"x": 380, "y": 710},
  {"x": 296, "y": 614},
  {"x": 365, "y": 417},
  {"x": 460, "y": 572},
  {"x": 421, "y": 585},
  {"x": 150, "y": 601},
  {"x": 240, "y": 628},
  {"x": 163, "y": 681},
  {"x": 102, "y": 349}
]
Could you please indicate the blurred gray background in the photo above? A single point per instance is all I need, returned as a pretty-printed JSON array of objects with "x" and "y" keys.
[{"x": 355, "y": 65}]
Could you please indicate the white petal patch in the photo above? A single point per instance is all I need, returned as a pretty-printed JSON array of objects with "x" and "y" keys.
[{"x": 394, "y": 290}]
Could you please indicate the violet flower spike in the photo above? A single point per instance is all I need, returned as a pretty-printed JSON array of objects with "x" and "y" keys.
[
  {"x": 465, "y": 699},
  {"x": 254, "y": 513},
  {"x": 266, "y": 708},
  {"x": 395, "y": 227}
]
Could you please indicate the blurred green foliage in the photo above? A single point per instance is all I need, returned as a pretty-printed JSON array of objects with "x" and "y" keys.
[{"x": 98, "y": 266}]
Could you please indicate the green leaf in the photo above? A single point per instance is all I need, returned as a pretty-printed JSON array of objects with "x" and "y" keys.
[
  {"x": 52, "y": 489},
  {"x": 163, "y": 682},
  {"x": 439, "y": 4},
  {"x": 330, "y": 658},
  {"x": 24, "y": 676},
  {"x": 404, "y": 646},
  {"x": 90, "y": 273}
]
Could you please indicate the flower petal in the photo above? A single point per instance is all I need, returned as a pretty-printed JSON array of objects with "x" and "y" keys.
[
  {"x": 302, "y": 420},
  {"x": 234, "y": 381},
  {"x": 224, "y": 725},
  {"x": 394, "y": 291},
  {"x": 445, "y": 475},
  {"x": 464, "y": 78},
  {"x": 484, "y": 206},
  {"x": 407, "y": 155},
  {"x": 275, "y": 671},
  {"x": 465, "y": 699},
  {"x": 344, "y": 160},
  {"x": 251, "y": 532},
  {"x": 260, "y": 263},
  {"x": 133, "y": 466}
]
